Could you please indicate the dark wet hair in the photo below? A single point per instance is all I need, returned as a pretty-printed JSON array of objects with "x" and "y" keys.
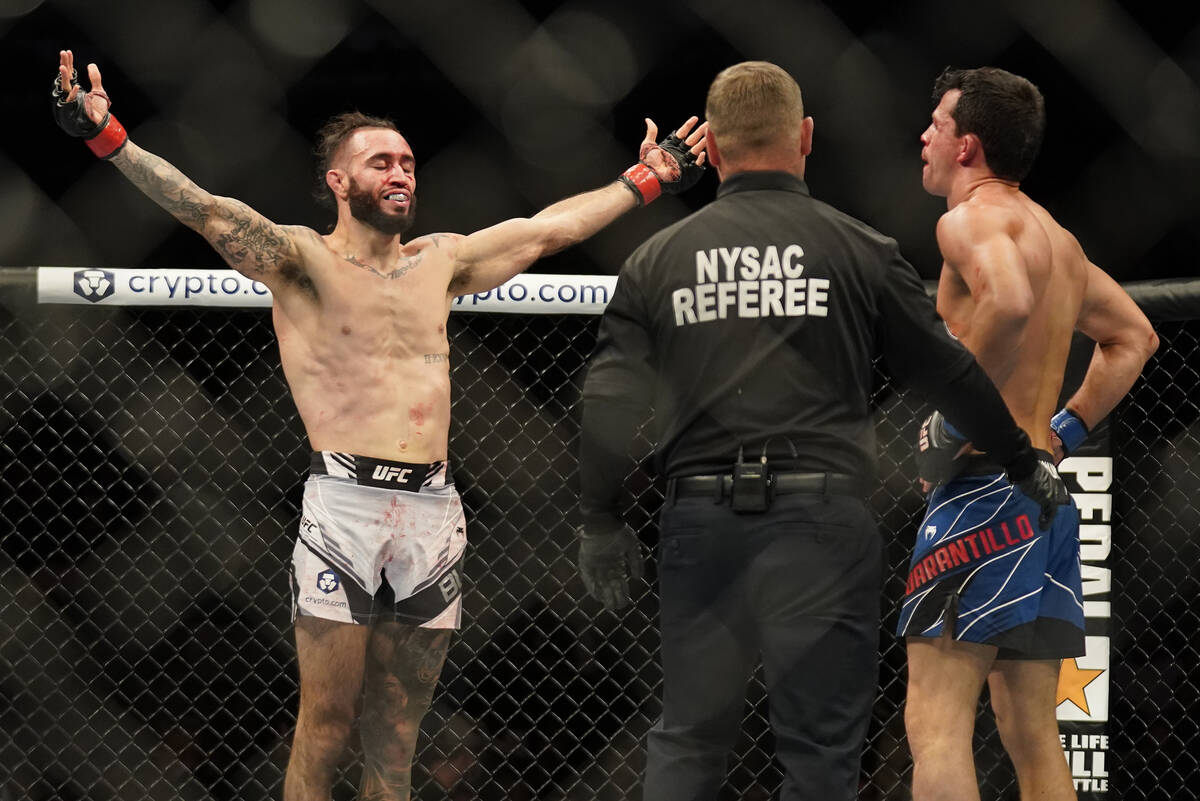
[{"x": 1005, "y": 111}]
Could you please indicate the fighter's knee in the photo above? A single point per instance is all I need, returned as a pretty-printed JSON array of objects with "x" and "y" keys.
[
  {"x": 918, "y": 725},
  {"x": 391, "y": 738},
  {"x": 934, "y": 732},
  {"x": 1027, "y": 739},
  {"x": 323, "y": 733}
]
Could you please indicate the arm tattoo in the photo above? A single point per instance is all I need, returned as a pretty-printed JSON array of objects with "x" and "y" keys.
[
  {"x": 250, "y": 240},
  {"x": 244, "y": 238},
  {"x": 165, "y": 185},
  {"x": 436, "y": 358}
]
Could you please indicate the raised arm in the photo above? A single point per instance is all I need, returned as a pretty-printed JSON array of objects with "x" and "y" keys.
[
  {"x": 977, "y": 245},
  {"x": 249, "y": 242},
  {"x": 490, "y": 257}
]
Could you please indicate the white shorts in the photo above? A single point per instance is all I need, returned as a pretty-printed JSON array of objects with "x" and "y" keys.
[{"x": 379, "y": 540}]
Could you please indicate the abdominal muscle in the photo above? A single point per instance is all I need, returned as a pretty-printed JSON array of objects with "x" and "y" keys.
[
  {"x": 398, "y": 419},
  {"x": 383, "y": 401}
]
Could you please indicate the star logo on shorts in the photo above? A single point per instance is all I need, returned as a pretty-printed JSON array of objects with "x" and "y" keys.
[{"x": 327, "y": 581}]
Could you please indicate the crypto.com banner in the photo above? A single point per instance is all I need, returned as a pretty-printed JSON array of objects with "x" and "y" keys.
[{"x": 525, "y": 294}]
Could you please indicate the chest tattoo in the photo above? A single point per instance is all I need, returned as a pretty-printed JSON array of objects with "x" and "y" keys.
[{"x": 406, "y": 264}]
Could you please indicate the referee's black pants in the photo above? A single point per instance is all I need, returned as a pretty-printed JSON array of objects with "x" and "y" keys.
[{"x": 798, "y": 585}]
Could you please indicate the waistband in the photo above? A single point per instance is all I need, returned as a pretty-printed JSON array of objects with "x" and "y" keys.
[
  {"x": 368, "y": 471},
  {"x": 980, "y": 464},
  {"x": 781, "y": 483}
]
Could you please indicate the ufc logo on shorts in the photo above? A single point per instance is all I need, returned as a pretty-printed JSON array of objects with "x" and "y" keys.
[{"x": 397, "y": 474}]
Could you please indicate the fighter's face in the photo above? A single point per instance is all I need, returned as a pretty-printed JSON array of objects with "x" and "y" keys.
[
  {"x": 940, "y": 145},
  {"x": 381, "y": 185}
]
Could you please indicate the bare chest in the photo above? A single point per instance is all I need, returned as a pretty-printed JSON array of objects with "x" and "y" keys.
[{"x": 376, "y": 316}]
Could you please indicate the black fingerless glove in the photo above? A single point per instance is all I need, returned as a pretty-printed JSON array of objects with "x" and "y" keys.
[
  {"x": 939, "y": 447},
  {"x": 689, "y": 170},
  {"x": 105, "y": 138},
  {"x": 1044, "y": 487},
  {"x": 683, "y": 172}
]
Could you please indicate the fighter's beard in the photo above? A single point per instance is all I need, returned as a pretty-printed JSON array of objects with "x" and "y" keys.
[{"x": 364, "y": 207}]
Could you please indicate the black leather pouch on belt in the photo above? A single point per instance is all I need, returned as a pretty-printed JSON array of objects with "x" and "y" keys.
[{"x": 751, "y": 491}]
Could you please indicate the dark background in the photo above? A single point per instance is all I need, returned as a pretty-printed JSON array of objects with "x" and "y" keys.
[
  {"x": 510, "y": 105},
  {"x": 150, "y": 461}
]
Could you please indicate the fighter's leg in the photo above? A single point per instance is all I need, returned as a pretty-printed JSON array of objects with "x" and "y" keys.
[
  {"x": 1023, "y": 700},
  {"x": 945, "y": 678},
  {"x": 403, "y": 665},
  {"x": 331, "y": 673}
]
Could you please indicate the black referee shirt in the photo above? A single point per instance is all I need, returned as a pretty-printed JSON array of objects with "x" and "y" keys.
[{"x": 753, "y": 322}]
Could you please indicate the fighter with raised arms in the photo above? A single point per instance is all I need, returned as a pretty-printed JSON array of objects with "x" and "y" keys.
[{"x": 360, "y": 316}]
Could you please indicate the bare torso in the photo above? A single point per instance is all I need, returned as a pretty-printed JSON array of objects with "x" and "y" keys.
[
  {"x": 1029, "y": 368},
  {"x": 366, "y": 355}
]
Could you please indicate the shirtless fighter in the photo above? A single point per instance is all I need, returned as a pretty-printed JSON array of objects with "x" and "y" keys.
[
  {"x": 994, "y": 594},
  {"x": 360, "y": 316}
]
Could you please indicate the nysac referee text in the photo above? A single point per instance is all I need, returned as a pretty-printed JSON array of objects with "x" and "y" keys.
[{"x": 750, "y": 282}]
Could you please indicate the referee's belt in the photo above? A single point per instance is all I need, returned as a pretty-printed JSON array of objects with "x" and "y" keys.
[{"x": 781, "y": 483}]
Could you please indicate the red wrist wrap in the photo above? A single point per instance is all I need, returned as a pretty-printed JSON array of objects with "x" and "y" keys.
[
  {"x": 111, "y": 138},
  {"x": 644, "y": 181}
]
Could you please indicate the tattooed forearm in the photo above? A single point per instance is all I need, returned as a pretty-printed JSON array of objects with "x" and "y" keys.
[
  {"x": 246, "y": 239},
  {"x": 166, "y": 186},
  {"x": 436, "y": 358}
]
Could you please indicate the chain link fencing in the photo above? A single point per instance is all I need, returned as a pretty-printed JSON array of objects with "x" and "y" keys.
[{"x": 151, "y": 467}]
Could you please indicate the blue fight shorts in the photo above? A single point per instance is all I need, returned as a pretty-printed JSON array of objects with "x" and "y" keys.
[{"x": 983, "y": 570}]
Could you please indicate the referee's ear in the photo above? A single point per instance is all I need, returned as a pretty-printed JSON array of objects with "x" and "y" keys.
[
  {"x": 713, "y": 153},
  {"x": 806, "y": 136}
]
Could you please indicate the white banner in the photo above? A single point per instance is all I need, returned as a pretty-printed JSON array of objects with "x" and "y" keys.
[{"x": 525, "y": 294}]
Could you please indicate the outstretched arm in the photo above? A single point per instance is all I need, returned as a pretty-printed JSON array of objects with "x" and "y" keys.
[
  {"x": 490, "y": 257},
  {"x": 249, "y": 242}
]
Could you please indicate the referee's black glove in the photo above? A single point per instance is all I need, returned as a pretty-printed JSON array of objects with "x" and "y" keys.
[
  {"x": 609, "y": 555},
  {"x": 1042, "y": 485}
]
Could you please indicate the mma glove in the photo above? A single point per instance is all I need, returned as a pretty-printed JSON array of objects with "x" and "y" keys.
[
  {"x": 939, "y": 448},
  {"x": 105, "y": 138},
  {"x": 1070, "y": 430},
  {"x": 676, "y": 170},
  {"x": 609, "y": 555},
  {"x": 1039, "y": 483}
]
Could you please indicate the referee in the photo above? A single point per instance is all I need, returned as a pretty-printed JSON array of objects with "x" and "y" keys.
[{"x": 751, "y": 326}]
